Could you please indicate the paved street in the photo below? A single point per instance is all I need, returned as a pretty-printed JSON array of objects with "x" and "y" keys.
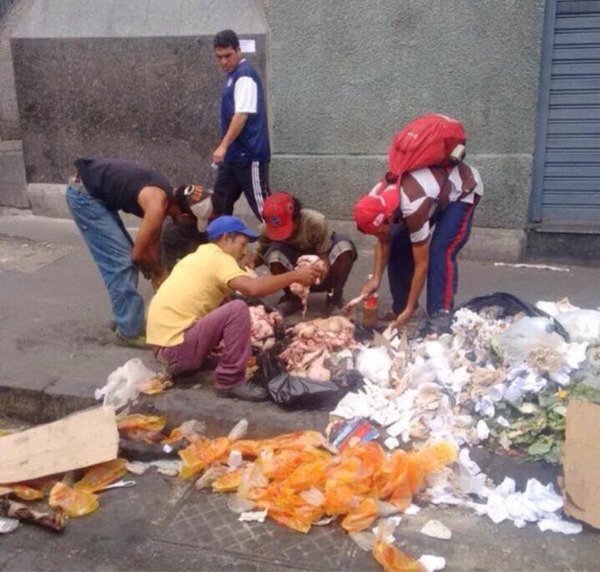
[
  {"x": 164, "y": 524},
  {"x": 56, "y": 349}
]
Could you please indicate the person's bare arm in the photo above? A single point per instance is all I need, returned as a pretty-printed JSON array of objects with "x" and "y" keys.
[
  {"x": 420, "y": 253},
  {"x": 382, "y": 254},
  {"x": 269, "y": 284},
  {"x": 235, "y": 128},
  {"x": 146, "y": 248}
]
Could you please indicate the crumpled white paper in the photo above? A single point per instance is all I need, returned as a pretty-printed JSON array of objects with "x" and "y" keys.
[
  {"x": 536, "y": 503},
  {"x": 253, "y": 516}
]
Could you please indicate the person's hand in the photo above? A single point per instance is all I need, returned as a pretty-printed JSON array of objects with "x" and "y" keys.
[
  {"x": 219, "y": 154},
  {"x": 403, "y": 318},
  {"x": 307, "y": 275},
  {"x": 324, "y": 267},
  {"x": 371, "y": 286}
]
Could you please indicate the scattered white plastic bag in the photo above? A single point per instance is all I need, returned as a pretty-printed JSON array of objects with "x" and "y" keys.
[
  {"x": 8, "y": 524},
  {"x": 525, "y": 335},
  {"x": 124, "y": 384},
  {"x": 432, "y": 563},
  {"x": 559, "y": 525},
  {"x": 582, "y": 325},
  {"x": 239, "y": 430},
  {"x": 374, "y": 364}
]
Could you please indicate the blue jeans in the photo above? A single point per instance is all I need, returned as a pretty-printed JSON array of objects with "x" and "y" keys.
[
  {"x": 452, "y": 230},
  {"x": 110, "y": 246}
]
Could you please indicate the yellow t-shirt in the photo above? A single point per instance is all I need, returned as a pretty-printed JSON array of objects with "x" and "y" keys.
[{"x": 197, "y": 285}]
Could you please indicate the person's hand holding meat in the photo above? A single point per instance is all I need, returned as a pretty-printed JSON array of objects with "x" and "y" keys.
[{"x": 307, "y": 275}]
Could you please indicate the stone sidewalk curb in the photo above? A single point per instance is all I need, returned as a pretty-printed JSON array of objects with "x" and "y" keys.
[{"x": 220, "y": 415}]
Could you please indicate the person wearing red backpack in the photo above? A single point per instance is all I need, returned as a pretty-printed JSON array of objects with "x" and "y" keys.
[{"x": 421, "y": 222}]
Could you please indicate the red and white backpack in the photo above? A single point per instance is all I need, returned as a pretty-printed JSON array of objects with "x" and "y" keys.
[{"x": 430, "y": 140}]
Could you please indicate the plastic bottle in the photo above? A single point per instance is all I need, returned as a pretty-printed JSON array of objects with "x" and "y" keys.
[{"x": 369, "y": 309}]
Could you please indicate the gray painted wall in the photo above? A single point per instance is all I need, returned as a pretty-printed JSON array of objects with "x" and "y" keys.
[
  {"x": 5, "y": 6},
  {"x": 344, "y": 76},
  {"x": 134, "y": 79},
  {"x": 9, "y": 114}
]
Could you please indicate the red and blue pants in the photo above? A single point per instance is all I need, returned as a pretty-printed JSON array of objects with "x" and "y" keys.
[{"x": 451, "y": 233}]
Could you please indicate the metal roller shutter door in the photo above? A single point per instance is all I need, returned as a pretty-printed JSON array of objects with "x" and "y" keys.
[{"x": 567, "y": 164}]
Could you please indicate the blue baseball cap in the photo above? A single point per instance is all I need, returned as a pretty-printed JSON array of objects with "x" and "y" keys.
[{"x": 228, "y": 224}]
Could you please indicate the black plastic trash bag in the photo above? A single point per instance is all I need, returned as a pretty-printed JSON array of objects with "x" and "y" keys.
[
  {"x": 294, "y": 392},
  {"x": 511, "y": 305}
]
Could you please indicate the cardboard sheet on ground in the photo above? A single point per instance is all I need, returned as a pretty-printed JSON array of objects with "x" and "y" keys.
[
  {"x": 78, "y": 441},
  {"x": 582, "y": 462}
]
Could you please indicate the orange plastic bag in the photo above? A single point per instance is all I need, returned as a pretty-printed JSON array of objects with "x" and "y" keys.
[
  {"x": 428, "y": 460},
  {"x": 340, "y": 498},
  {"x": 402, "y": 495},
  {"x": 137, "y": 421},
  {"x": 100, "y": 476},
  {"x": 297, "y": 440},
  {"x": 23, "y": 492},
  {"x": 362, "y": 518},
  {"x": 156, "y": 384},
  {"x": 201, "y": 454},
  {"x": 73, "y": 503},
  {"x": 436, "y": 456},
  {"x": 250, "y": 448},
  {"x": 391, "y": 475},
  {"x": 229, "y": 482},
  {"x": 288, "y": 508},
  {"x": 371, "y": 456},
  {"x": 394, "y": 560},
  {"x": 307, "y": 475},
  {"x": 290, "y": 518}
]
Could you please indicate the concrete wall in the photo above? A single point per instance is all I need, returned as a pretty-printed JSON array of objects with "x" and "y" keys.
[
  {"x": 342, "y": 78},
  {"x": 345, "y": 75},
  {"x": 5, "y": 6},
  {"x": 9, "y": 114},
  {"x": 134, "y": 79}
]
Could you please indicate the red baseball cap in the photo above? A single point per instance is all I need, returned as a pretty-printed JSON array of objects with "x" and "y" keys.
[
  {"x": 277, "y": 214},
  {"x": 371, "y": 211}
]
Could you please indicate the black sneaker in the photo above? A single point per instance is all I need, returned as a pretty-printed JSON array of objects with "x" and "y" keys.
[
  {"x": 438, "y": 323},
  {"x": 245, "y": 392}
]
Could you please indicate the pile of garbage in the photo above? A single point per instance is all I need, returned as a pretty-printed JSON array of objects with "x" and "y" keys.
[
  {"x": 299, "y": 480},
  {"x": 504, "y": 380}
]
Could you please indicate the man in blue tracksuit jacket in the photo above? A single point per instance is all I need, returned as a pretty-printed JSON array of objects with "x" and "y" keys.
[{"x": 244, "y": 152}]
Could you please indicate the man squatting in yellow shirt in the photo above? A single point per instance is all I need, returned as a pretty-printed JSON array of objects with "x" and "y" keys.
[{"x": 186, "y": 320}]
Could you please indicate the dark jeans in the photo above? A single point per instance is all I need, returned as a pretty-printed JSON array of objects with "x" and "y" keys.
[
  {"x": 233, "y": 180},
  {"x": 452, "y": 231},
  {"x": 110, "y": 246}
]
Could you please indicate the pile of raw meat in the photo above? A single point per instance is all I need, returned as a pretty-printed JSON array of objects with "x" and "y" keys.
[
  {"x": 263, "y": 327},
  {"x": 313, "y": 344},
  {"x": 303, "y": 291}
]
